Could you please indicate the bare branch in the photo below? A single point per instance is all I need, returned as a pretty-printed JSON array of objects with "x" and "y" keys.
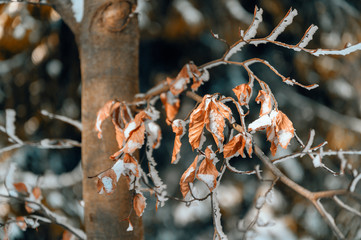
[
  {"x": 65, "y": 119},
  {"x": 55, "y": 218},
  {"x": 347, "y": 207}
]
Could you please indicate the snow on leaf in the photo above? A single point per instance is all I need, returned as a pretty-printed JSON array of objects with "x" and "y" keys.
[
  {"x": 178, "y": 127},
  {"x": 235, "y": 147},
  {"x": 266, "y": 103},
  {"x": 130, "y": 165},
  {"x": 211, "y": 113},
  {"x": 20, "y": 221},
  {"x": 21, "y": 188},
  {"x": 139, "y": 204},
  {"x": 103, "y": 114},
  {"x": 171, "y": 105},
  {"x": 188, "y": 177},
  {"x": 107, "y": 182},
  {"x": 35, "y": 195},
  {"x": 284, "y": 129},
  {"x": 208, "y": 173},
  {"x": 286, "y": 21},
  {"x": 154, "y": 133},
  {"x": 130, "y": 227},
  {"x": 198, "y": 77},
  {"x": 243, "y": 93},
  {"x": 135, "y": 141},
  {"x": 279, "y": 129},
  {"x": 260, "y": 124}
]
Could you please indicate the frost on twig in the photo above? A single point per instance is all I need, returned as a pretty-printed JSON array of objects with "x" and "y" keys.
[{"x": 65, "y": 119}]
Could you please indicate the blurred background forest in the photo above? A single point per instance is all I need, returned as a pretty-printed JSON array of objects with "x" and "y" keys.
[{"x": 39, "y": 70}]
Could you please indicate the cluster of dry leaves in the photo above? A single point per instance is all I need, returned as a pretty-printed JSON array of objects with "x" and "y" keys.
[{"x": 213, "y": 116}]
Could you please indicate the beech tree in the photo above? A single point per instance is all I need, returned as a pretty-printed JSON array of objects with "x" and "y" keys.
[{"x": 218, "y": 129}]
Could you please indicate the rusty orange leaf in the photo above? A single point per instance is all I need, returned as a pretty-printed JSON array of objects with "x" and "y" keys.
[
  {"x": 178, "y": 127},
  {"x": 208, "y": 173},
  {"x": 139, "y": 204},
  {"x": 188, "y": 177},
  {"x": 243, "y": 93},
  {"x": 266, "y": 103},
  {"x": 107, "y": 182},
  {"x": 235, "y": 147},
  {"x": 103, "y": 114},
  {"x": 20, "y": 221},
  {"x": 21, "y": 188},
  {"x": 171, "y": 106}
]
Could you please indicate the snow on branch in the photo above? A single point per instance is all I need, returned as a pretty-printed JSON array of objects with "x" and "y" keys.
[
  {"x": 286, "y": 21},
  {"x": 65, "y": 119}
]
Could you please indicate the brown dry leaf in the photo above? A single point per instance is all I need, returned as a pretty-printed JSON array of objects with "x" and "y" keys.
[
  {"x": 139, "y": 204},
  {"x": 179, "y": 84},
  {"x": 171, "y": 106},
  {"x": 208, "y": 173},
  {"x": 235, "y": 147},
  {"x": 103, "y": 114},
  {"x": 178, "y": 127},
  {"x": 107, "y": 182},
  {"x": 131, "y": 164},
  {"x": 188, "y": 177},
  {"x": 243, "y": 93},
  {"x": 119, "y": 136},
  {"x": 154, "y": 134},
  {"x": 196, "y": 124},
  {"x": 266, "y": 103},
  {"x": 197, "y": 80},
  {"x": 20, "y": 221},
  {"x": 21, "y": 188},
  {"x": 215, "y": 123},
  {"x": 284, "y": 129},
  {"x": 36, "y": 192},
  {"x": 211, "y": 113},
  {"x": 67, "y": 235},
  {"x": 134, "y": 133},
  {"x": 280, "y": 132},
  {"x": 135, "y": 141}
]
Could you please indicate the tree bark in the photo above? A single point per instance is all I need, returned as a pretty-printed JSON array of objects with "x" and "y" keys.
[{"x": 108, "y": 40}]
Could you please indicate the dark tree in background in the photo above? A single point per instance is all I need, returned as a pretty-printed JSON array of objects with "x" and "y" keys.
[{"x": 40, "y": 69}]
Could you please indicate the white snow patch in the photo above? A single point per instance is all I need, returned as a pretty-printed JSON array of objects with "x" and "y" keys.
[
  {"x": 208, "y": 179},
  {"x": 342, "y": 52},
  {"x": 78, "y": 9},
  {"x": 131, "y": 126},
  {"x": 180, "y": 83},
  {"x": 119, "y": 168},
  {"x": 108, "y": 184},
  {"x": 284, "y": 137},
  {"x": 279, "y": 29},
  {"x": 260, "y": 123},
  {"x": 189, "y": 171},
  {"x": 131, "y": 146},
  {"x": 317, "y": 161},
  {"x": 130, "y": 227},
  {"x": 308, "y": 36}
]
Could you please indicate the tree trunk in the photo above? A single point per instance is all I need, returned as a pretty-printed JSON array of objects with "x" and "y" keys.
[{"x": 108, "y": 40}]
